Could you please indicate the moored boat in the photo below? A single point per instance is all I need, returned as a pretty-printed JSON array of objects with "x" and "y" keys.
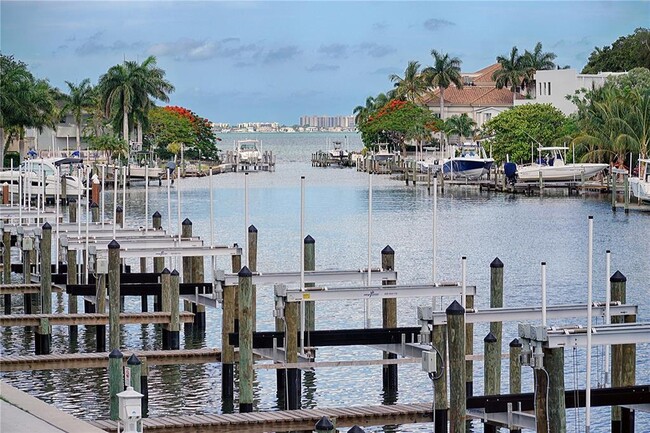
[
  {"x": 467, "y": 161},
  {"x": 551, "y": 166},
  {"x": 32, "y": 171},
  {"x": 248, "y": 151},
  {"x": 640, "y": 185}
]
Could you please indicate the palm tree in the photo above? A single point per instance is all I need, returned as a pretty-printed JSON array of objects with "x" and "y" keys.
[
  {"x": 442, "y": 74},
  {"x": 461, "y": 125},
  {"x": 412, "y": 85},
  {"x": 126, "y": 89},
  {"x": 511, "y": 73},
  {"x": 78, "y": 102},
  {"x": 536, "y": 61},
  {"x": 361, "y": 112}
]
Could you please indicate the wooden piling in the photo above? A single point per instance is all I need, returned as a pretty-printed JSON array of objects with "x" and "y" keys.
[
  {"x": 6, "y": 262},
  {"x": 144, "y": 300},
  {"x": 100, "y": 299},
  {"x": 623, "y": 359},
  {"x": 94, "y": 192},
  {"x": 293, "y": 376},
  {"x": 144, "y": 386},
  {"x": 389, "y": 320},
  {"x": 496, "y": 301},
  {"x": 186, "y": 232},
  {"x": 626, "y": 193},
  {"x": 115, "y": 380},
  {"x": 71, "y": 278},
  {"x": 166, "y": 289},
  {"x": 490, "y": 372},
  {"x": 235, "y": 262},
  {"x": 613, "y": 176},
  {"x": 94, "y": 212},
  {"x": 27, "y": 271},
  {"x": 5, "y": 193},
  {"x": 114, "y": 294},
  {"x": 457, "y": 385},
  {"x": 119, "y": 216},
  {"x": 554, "y": 366},
  {"x": 174, "y": 328},
  {"x": 469, "y": 350},
  {"x": 515, "y": 371},
  {"x": 43, "y": 333},
  {"x": 439, "y": 341},
  {"x": 64, "y": 191},
  {"x": 134, "y": 364},
  {"x": 158, "y": 262},
  {"x": 324, "y": 425},
  {"x": 72, "y": 210},
  {"x": 310, "y": 265},
  {"x": 198, "y": 276},
  {"x": 252, "y": 266},
  {"x": 245, "y": 340},
  {"x": 227, "y": 350}
]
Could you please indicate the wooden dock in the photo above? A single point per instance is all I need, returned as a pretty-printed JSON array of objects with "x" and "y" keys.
[
  {"x": 302, "y": 419},
  {"x": 91, "y": 319},
  {"x": 19, "y": 289},
  {"x": 67, "y": 361}
]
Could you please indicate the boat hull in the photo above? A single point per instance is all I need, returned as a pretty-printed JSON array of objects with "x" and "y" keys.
[
  {"x": 564, "y": 173},
  {"x": 467, "y": 168},
  {"x": 32, "y": 185},
  {"x": 640, "y": 189}
]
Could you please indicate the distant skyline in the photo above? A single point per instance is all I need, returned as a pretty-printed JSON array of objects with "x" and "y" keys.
[{"x": 275, "y": 61}]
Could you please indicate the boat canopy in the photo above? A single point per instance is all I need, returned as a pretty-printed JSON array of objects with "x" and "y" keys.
[
  {"x": 552, "y": 148},
  {"x": 66, "y": 161}
]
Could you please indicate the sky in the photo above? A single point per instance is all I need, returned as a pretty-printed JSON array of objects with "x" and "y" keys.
[{"x": 276, "y": 61}]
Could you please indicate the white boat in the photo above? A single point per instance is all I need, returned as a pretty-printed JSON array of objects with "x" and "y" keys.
[
  {"x": 640, "y": 186},
  {"x": 136, "y": 171},
  {"x": 467, "y": 161},
  {"x": 31, "y": 173},
  {"x": 337, "y": 151},
  {"x": 247, "y": 151},
  {"x": 551, "y": 165},
  {"x": 383, "y": 154}
]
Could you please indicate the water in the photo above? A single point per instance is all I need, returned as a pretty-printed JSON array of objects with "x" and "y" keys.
[{"x": 521, "y": 231}]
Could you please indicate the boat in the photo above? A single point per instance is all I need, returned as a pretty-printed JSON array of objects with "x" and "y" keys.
[
  {"x": 32, "y": 171},
  {"x": 640, "y": 186},
  {"x": 551, "y": 166},
  {"x": 467, "y": 161},
  {"x": 136, "y": 171},
  {"x": 383, "y": 154},
  {"x": 337, "y": 151},
  {"x": 247, "y": 151}
]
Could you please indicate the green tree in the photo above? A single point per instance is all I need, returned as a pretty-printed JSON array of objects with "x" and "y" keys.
[
  {"x": 462, "y": 125},
  {"x": 412, "y": 85},
  {"x": 512, "y": 71},
  {"x": 127, "y": 90},
  {"x": 166, "y": 127},
  {"x": 515, "y": 131},
  {"x": 78, "y": 101},
  {"x": 26, "y": 102},
  {"x": 626, "y": 53},
  {"x": 113, "y": 146},
  {"x": 534, "y": 61},
  {"x": 444, "y": 72}
]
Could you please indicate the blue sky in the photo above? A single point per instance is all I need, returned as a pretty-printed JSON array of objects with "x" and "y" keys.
[{"x": 275, "y": 61}]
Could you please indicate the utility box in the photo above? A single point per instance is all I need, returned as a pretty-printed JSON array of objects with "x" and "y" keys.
[
  {"x": 102, "y": 265},
  {"x": 429, "y": 361}
]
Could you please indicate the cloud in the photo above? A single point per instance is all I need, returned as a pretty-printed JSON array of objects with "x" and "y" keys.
[
  {"x": 374, "y": 50},
  {"x": 321, "y": 67},
  {"x": 94, "y": 45},
  {"x": 386, "y": 71},
  {"x": 380, "y": 26},
  {"x": 197, "y": 50},
  {"x": 434, "y": 24},
  {"x": 281, "y": 54},
  {"x": 335, "y": 51}
]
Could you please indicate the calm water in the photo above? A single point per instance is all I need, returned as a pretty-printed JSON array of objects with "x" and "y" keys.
[{"x": 521, "y": 231}]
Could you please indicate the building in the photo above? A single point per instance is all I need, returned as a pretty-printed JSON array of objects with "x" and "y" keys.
[
  {"x": 479, "y": 97},
  {"x": 553, "y": 86},
  {"x": 327, "y": 121}
]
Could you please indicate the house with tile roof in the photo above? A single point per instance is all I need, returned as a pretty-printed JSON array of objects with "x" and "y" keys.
[{"x": 479, "y": 98}]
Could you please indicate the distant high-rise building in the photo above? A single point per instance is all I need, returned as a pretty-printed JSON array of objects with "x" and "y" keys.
[{"x": 327, "y": 121}]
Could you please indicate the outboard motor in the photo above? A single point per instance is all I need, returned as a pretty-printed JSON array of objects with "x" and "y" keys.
[{"x": 510, "y": 170}]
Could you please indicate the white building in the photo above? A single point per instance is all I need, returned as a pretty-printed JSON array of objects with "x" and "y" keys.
[{"x": 553, "y": 86}]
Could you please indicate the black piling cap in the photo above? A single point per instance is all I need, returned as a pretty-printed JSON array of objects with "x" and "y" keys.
[
  {"x": 245, "y": 272},
  {"x": 133, "y": 360},
  {"x": 490, "y": 338},
  {"x": 47, "y": 226},
  {"x": 496, "y": 263},
  {"x": 72, "y": 200},
  {"x": 455, "y": 309},
  {"x": 252, "y": 229},
  {"x": 115, "y": 353},
  {"x": 174, "y": 273},
  {"x": 515, "y": 343},
  {"x": 388, "y": 250},
  {"x": 309, "y": 240},
  {"x": 114, "y": 245},
  {"x": 94, "y": 205},
  {"x": 156, "y": 214},
  {"x": 186, "y": 222},
  {"x": 165, "y": 271},
  {"x": 119, "y": 209},
  {"x": 324, "y": 424},
  {"x": 617, "y": 278},
  {"x": 356, "y": 429}
]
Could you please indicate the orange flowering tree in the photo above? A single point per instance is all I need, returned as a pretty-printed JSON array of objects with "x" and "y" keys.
[
  {"x": 395, "y": 122},
  {"x": 204, "y": 140}
]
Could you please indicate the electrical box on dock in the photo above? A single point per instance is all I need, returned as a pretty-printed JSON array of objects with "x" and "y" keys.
[{"x": 429, "y": 361}]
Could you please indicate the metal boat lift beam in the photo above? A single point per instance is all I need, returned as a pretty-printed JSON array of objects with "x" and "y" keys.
[
  {"x": 377, "y": 292},
  {"x": 623, "y": 333},
  {"x": 175, "y": 252},
  {"x": 140, "y": 243},
  {"x": 534, "y": 313},
  {"x": 318, "y": 277}
]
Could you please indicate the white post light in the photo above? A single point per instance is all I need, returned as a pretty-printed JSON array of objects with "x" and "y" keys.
[{"x": 130, "y": 410}]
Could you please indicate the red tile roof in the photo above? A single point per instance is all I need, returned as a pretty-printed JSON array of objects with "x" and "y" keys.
[{"x": 473, "y": 95}]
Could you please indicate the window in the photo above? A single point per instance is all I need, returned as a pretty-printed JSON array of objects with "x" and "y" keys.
[
  {"x": 540, "y": 87},
  {"x": 549, "y": 88},
  {"x": 545, "y": 88},
  {"x": 488, "y": 116}
]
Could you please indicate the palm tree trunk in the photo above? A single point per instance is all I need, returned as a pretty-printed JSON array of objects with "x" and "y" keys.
[
  {"x": 139, "y": 128},
  {"x": 442, "y": 102},
  {"x": 78, "y": 137},
  {"x": 125, "y": 124},
  {"x": 2, "y": 148}
]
